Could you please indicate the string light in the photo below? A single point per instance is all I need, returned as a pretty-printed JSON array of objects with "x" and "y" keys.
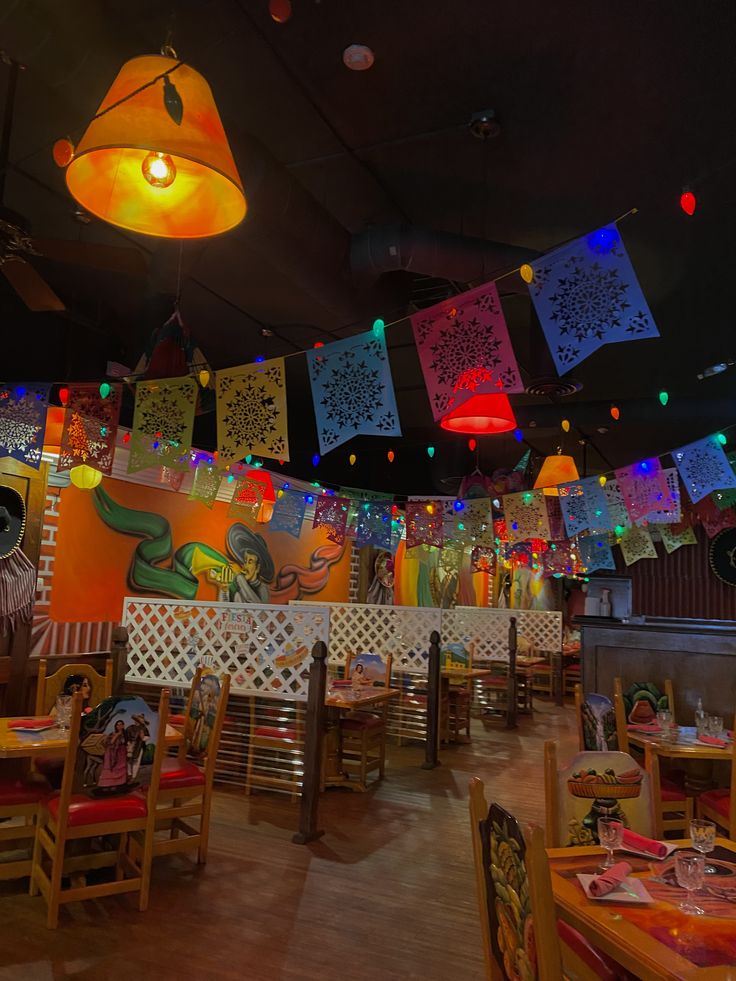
[
  {"x": 664, "y": 397},
  {"x": 688, "y": 201},
  {"x": 64, "y": 395},
  {"x": 204, "y": 378},
  {"x": 602, "y": 480},
  {"x": 721, "y": 439},
  {"x": 518, "y": 435},
  {"x": 615, "y": 412},
  {"x": 315, "y": 459},
  {"x": 260, "y": 359},
  {"x": 391, "y": 456},
  {"x": 472, "y": 445},
  {"x": 104, "y": 390},
  {"x": 526, "y": 272},
  {"x": 459, "y": 506},
  {"x": 566, "y": 425},
  {"x": 378, "y": 327},
  {"x": 351, "y": 459},
  {"x": 430, "y": 452}
]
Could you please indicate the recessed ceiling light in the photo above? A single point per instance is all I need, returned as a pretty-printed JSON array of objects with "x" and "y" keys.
[{"x": 358, "y": 57}]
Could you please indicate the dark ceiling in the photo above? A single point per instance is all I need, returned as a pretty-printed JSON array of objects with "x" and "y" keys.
[{"x": 603, "y": 108}]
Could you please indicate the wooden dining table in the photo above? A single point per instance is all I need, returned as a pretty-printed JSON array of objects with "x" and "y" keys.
[
  {"x": 23, "y": 744},
  {"x": 340, "y": 700},
  {"x": 686, "y": 746},
  {"x": 656, "y": 942}
]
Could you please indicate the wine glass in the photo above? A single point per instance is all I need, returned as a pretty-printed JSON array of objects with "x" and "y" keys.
[
  {"x": 689, "y": 870},
  {"x": 610, "y": 835},
  {"x": 715, "y": 726},
  {"x": 703, "y": 838},
  {"x": 63, "y": 711}
]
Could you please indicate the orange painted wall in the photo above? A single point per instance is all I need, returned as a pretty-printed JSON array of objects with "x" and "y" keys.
[{"x": 92, "y": 561}]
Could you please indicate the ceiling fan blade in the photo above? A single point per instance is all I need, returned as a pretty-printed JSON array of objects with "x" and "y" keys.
[
  {"x": 30, "y": 287},
  {"x": 110, "y": 258}
]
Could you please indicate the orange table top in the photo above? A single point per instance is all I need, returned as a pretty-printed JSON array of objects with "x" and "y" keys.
[
  {"x": 50, "y": 742},
  {"x": 686, "y": 745},
  {"x": 629, "y": 933}
]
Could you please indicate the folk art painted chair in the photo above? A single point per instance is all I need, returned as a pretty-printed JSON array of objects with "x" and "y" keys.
[
  {"x": 363, "y": 733},
  {"x": 719, "y": 805},
  {"x": 185, "y": 785},
  {"x": 69, "y": 679},
  {"x": 522, "y": 938},
  {"x": 594, "y": 785},
  {"x": 459, "y": 690},
  {"x": 109, "y": 788},
  {"x": 595, "y": 716}
]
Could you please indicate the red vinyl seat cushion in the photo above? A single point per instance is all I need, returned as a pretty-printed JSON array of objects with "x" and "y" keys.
[
  {"x": 15, "y": 792},
  {"x": 284, "y": 733},
  {"x": 177, "y": 720},
  {"x": 180, "y": 773},
  {"x": 85, "y": 810},
  {"x": 362, "y": 722},
  {"x": 670, "y": 793},
  {"x": 599, "y": 963},
  {"x": 718, "y": 800}
]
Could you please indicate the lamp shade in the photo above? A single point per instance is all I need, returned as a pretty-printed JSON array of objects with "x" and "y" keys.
[
  {"x": 558, "y": 469},
  {"x": 84, "y": 477},
  {"x": 265, "y": 511},
  {"x": 135, "y": 167},
  {"x": 483, "y": 415},
  {"x": 54, "y": 428}
]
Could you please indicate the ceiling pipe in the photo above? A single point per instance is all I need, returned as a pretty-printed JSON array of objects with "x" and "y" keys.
[{"x": 459, "y": 258}]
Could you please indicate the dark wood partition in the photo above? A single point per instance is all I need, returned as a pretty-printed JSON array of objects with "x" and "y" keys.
[{"x": 698, "y": 655}]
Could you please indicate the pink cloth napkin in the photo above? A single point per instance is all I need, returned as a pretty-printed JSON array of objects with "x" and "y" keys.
[
  {"x": 607, "y": 881},
  {"x": 645, "y": 727},
  {"x": 713, "y": 741},
  {"x": 30, "y": 723},
  {"x": 641, "y": 844}
]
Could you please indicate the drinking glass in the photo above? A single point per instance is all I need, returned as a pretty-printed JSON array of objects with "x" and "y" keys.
[
  {"x": 715, "y": 726},
  {"x": 689, "y": 871},
  {"x": 63, "y": 711},
  {"x": 664, "y": 717},
  {"x": 703, "y": 838},
  {"x": 610, "y": 835}
]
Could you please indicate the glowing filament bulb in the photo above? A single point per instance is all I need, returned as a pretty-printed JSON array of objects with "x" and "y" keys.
[{"x": 158, "y": 169}]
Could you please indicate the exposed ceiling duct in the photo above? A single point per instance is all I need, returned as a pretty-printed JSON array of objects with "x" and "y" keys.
[{"x": 459, "y": 258}]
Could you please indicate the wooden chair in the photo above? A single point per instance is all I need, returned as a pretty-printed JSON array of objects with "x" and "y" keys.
[
  {"x": 673, "y": 809},
  {"x": 512, "y": 947},
  {"x": 595, "y": 716},
  {"x": 68, "y": 679},
  {"x": 573, "y": 804},
  {"x": 719, "y": 805},
  {"x": 653, "y": 696},
  {"x": 459, "y": 691},
  {"x": 363, "y": 733},
  {"x": 20, "y": 799},
  {"x": 275, "y": 745},
  {"x": 185, "y": 786},
  {"x": 108, "y": 759}
]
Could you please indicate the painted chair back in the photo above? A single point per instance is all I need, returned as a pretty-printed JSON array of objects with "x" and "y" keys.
[
  {"x": 69, "y": 679},
  {"x": 643, "y": 699},
  {"x": 456, "y": 655},
  {"x": 590, "y": 786},
  {"x": 375, "y": 668},
  {"x": 205, "y": 711},
  {"x": 596, "y": 721},
  {"x": 507, "y": 895}
]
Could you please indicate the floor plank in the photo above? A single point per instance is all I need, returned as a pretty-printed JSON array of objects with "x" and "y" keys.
[{"x": 387, "y": 893}]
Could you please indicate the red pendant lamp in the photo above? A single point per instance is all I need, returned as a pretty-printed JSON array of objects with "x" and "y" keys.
[
  {"x": 265, "y": 511},
  {"x": 483, "y": 415}
]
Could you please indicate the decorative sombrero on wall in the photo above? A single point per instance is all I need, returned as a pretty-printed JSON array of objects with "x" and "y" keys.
[
  {"x": 722, "y": 556},
  {"x": 12, "y": 520}
]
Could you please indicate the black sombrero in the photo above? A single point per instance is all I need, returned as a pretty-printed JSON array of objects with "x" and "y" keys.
[
  {"x": 12, "y": 520},
  {"x": 722, "y": 556}
]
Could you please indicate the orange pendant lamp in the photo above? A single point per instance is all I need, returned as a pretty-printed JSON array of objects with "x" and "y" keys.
[
  {"x": 483, "y": 415},
  {"x": 557, "y": 469},
  {"x": 158, "y": 162}
]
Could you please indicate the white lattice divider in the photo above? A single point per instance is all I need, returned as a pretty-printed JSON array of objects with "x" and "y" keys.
[
  {"x": 401, "y": 631},
  {"x": 265, "y": 649},
  {"x": 488, "y": 630}
]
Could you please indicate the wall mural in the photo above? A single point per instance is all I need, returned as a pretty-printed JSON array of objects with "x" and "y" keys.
[{"x": 183, "y": 551}]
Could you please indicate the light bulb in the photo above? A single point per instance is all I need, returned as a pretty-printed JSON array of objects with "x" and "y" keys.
[
  {"x": 390, "y": 456},
  {"x": 615, "y": 412},
  {"x": 602, "y": 480},
  {"x": 526, "y": 272},
  {"x": 158, "y": 169},
  {"x": 430, "y": 452},
  {"x": 664, "y": 397},
  {"x": 352, "y": 458},
  {"x": 566, "y": 425},
  {"x": 688, "y": 202}
]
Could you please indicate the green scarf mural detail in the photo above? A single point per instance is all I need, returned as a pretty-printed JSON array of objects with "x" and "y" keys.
[{"x": 145, "y": 574}]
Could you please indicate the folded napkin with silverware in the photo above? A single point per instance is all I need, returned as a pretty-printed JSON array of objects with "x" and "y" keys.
[
  {"x": 608, "y": 881},
  {"x": 640, "y": 843},
  {"x": 713, "y": 741}
]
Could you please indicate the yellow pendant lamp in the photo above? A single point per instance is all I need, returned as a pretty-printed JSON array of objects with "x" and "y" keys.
[
  {"x": 557, "y": 469},
  {"x": 84, "y": 477},
  {"x": 139, "y": 168}
]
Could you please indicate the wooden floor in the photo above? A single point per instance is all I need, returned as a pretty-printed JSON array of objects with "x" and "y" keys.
[{"x": 387, "y": 893}]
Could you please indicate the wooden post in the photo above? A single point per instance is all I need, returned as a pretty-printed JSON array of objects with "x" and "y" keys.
[
  {"x": 119, "y": 655},
  {"x": 313, "y": 741},
  {"x": 432, "y": 744},
  {"x": 512, "y": 703}
]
